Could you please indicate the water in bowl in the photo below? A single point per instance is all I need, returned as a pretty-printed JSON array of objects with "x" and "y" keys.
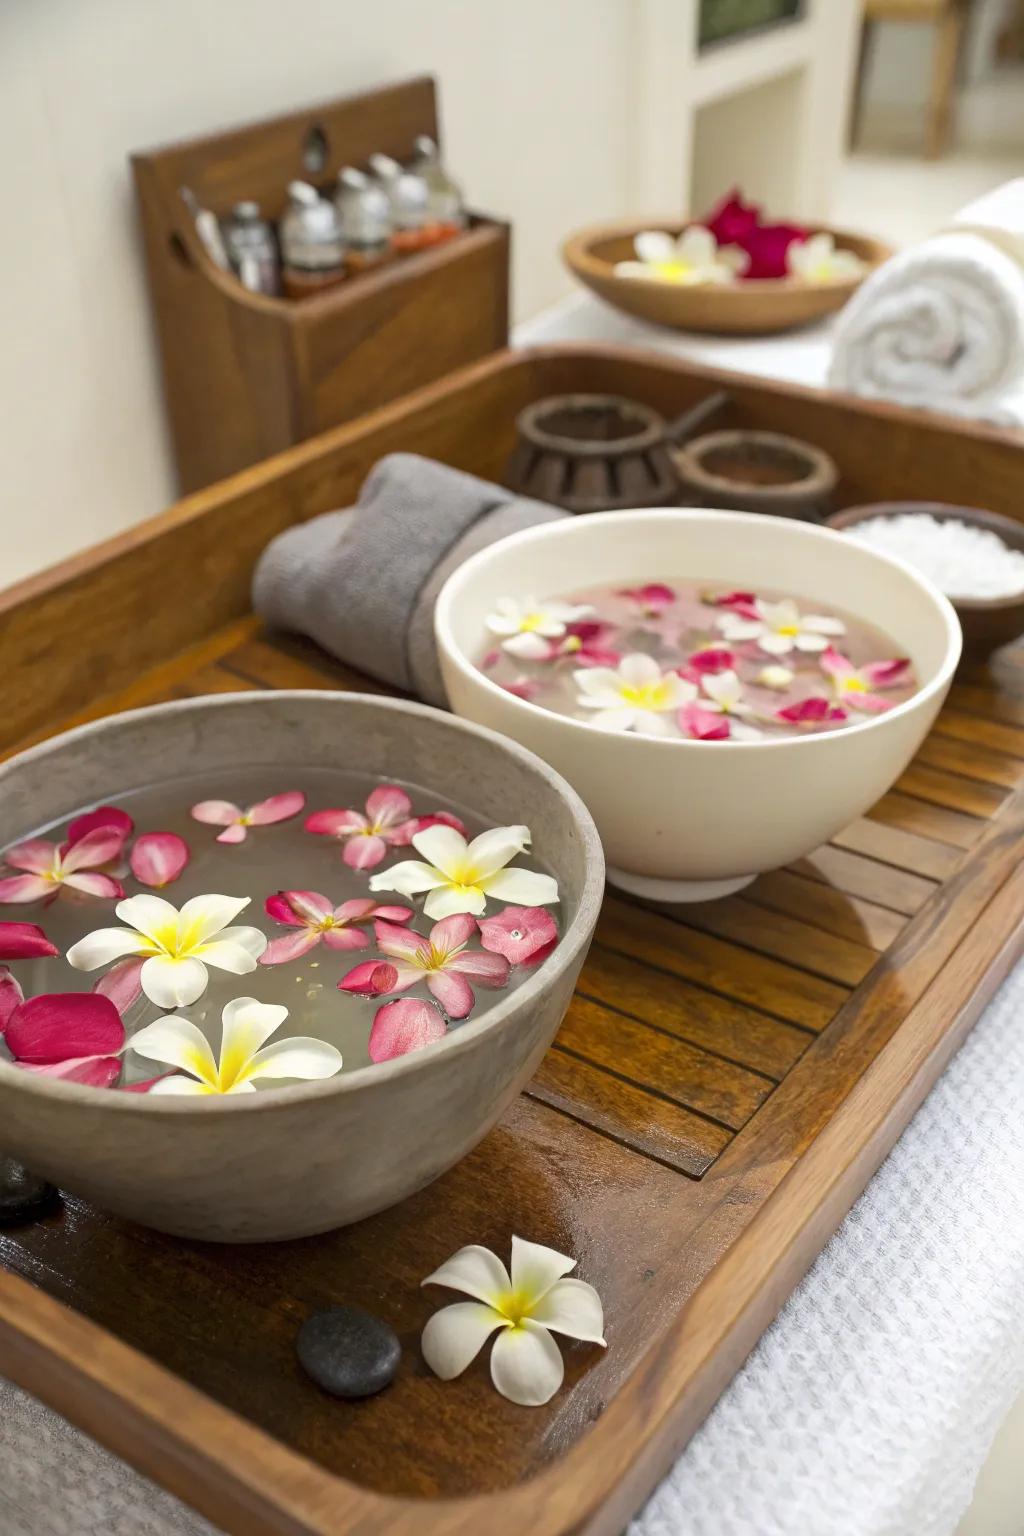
[
  {"x": 279, "y": 857},
  {"x": 689, "y": 660}
]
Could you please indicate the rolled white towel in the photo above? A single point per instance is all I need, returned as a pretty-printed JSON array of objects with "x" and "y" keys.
[
  {"x": 939, "y": 326},
  {"x": 999, "y": 217}
]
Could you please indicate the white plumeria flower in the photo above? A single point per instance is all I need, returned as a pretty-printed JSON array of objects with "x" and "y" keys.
[
  {"x": 634, "y": 696},
  {"x": 460, "y": 876},
  {"x": 725, "y": 697},
  {"x": 528, "y": 1306},
  {"x": 178, "y": 945},
  {"x": 780, "y": 627},
  {"x": 527, "y": 625},
  {"x": 247, "y": 1024},
  {"x": 693, "y": 257},
  {"x": 818, "y": 261},
  {"x": 776, "y": 676}
]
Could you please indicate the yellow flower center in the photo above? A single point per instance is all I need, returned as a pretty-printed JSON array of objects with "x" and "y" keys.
[
  {"x": 854, "y": 685},
  {"x": 672, "y": 271},
  {"x": 788, "y": 629},
  {"x": 530, "y": 621},
  {"x": 646, "y": 695},
  {"x": 514, "y": 1305},
  {"x": 571, "y": 644}
]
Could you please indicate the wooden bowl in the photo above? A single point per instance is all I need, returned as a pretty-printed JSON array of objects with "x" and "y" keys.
[
  {"x": 756, "y": 308},
  {"x": 749, "y": 471},
  {"x": 987, "y": 622},
  {"x": 593, "y": 453}
]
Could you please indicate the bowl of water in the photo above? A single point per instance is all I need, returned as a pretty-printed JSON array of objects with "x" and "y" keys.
[
  {"x": 725, "y": 690},
  {"x": 311, "y": 947}
]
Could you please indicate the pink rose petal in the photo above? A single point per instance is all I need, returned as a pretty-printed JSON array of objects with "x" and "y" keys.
[
  {"x": 361, "y": 979},
  {"x": 122, "y": 983},
  {"x": 452, "y": 991},
  {"x": 236, "y": 833},
  {"x": 158, "y": 858},
  {"x": 519, "y": 933},
  {"x": 702, "y": 724},
  {"x": 59, "y": 1026},
  {"x": 278, "y": 808},
  {"x": 405, "y": 1025},
  {"x": 11, "y": 995},
  {"x": 364, "y": 851},
  {"x": 299, "y": 908},
  {"x": 94, "y": 883},
  {"x": 291, "y": 947},
  {"x": 36, "y": 854},
  {"x": 17, "y": 889},
  {"x": 24, "y": 941},
  {"x": 438, "y": 819},
  {"x": 102, "y": 816},
  {"x": 216, "y": 813},
  {"x": 388, "y": 804},
  {"x": 94, "y": 1071},
  {"x": 810, "y": 712},
  {"x": 334, "y": 823}
]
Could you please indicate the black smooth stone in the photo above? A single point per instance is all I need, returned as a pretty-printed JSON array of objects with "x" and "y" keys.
[
  {"x": 348, "y": 1352},
  {"x": 23, "y": 1195}
]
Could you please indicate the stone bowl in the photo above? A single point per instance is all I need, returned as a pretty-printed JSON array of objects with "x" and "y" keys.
[
  {"x": 293, "y": 1161},
  {"x": 695, "y": 820}
]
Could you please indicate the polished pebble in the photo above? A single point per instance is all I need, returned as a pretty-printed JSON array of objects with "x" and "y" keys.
[
  {"x": 22, "y": 1194},
  {"x": 348, "y": 1352}
]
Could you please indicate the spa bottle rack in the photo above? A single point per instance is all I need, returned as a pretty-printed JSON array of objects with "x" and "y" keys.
[
  {"x": 246, "y": 375},
  {"x": 725, "y": 1082}
]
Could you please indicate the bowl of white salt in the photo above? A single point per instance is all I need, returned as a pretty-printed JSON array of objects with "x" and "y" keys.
[{"x": 975, "y": 557}]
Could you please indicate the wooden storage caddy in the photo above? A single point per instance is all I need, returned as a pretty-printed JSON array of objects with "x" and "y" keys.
[
  {"x": 725, "y": 1082},
  {"x": 246, "y": 375}
]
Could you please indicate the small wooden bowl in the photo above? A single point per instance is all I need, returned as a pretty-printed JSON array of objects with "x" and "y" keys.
[
  {"x": 593, "y": 453},
  {"x": 756, "y": 308},
  {"x": 757, "y": 472},
  {"x": 987, "y": 622}
]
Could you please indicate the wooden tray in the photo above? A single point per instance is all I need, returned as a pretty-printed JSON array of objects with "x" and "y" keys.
[{"x": 726, "y": 1081}]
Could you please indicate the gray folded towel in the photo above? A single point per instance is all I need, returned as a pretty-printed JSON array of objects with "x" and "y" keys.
[{"x": 363, "y": 582}]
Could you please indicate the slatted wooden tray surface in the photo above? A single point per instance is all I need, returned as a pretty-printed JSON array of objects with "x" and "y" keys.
[{"x": 726, "y": 1080}]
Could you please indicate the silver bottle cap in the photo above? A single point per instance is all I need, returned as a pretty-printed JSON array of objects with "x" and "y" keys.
[{"x": 310, "y": 230}]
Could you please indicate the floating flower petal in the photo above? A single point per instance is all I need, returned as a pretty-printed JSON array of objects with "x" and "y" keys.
[
  {"x": 48, "y": 866},
  {"x": 779, "y": 628},
  {"x": 102, "y": 816},
  {"x": 388, "y": 822},
  {"x": 244, "y": 1054},
  {"x": 158, "y": 858},
  {"x": 236, "y": 822},
  {"x": 853, "y": 686},
  {"x": 810, "y": 712},
  {"x": 24, "y": 941},
  {"x": 441, "y": 959},
  {"x": 459, "y": 876},
  {"x": 524, "y": 935},
  {"x": 527, "y": 625},
  {"x": 11, "y": 995},
  {"x": 74, "y": 1035},
  {"x": 317, "y": 920},
  {"x": 529, "y": 1305},
  {"x": 637, "y": 696},
  {"x": 408, "y": 1024},
  {"x": 178, "y": 946}
]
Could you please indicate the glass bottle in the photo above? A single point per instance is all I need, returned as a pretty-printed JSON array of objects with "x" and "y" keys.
[
  {"x": 252, "y": 248},
  {"x": 409, "y": 198},
  {"x": 447, "y": 208},
  {"x": 365, "y": 216},
  {"x": 312, "y": 249}
]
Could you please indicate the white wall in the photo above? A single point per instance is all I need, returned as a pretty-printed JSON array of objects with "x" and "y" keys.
[
  {"x": 533, "y": 98},
  {"x": 552, "y": 116}
]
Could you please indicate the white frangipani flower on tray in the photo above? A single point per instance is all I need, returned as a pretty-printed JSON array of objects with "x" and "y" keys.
[
  {"x": 459, "y": 876},
  {"x": 780, "y": 627},
  {"x": 818, "y": 261},
  {"x": 529, "y": 1305},
  {"x": 634, "y": 696},
  {"x": 690, "y": 258},
  {"x": 526, "y": 625},
  {"x": 244, "y": 1054},
  {"x": 178, "y": 945}
]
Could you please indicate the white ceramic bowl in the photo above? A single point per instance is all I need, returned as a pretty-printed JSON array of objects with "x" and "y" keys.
[{"x": 690, "y": 820}]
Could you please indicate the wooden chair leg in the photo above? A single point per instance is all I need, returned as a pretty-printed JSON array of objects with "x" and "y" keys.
[
  {"x": 948, "y": 36},
  {"x": 864, "y": 51}
]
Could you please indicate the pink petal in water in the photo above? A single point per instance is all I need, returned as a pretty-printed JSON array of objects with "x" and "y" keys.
[
  {"x": 236, "y": 833},
  {"x": 335, "y": 823},
  {"x": 711, "y": 660},
  {"x": 94, "y": 1071},
  {"x": 278, "y": 808},
  {"x": 24, "y": 941},
  {"x": 523, "y": 935},
  {"x": 62, "y": 1026},
  {"x": 18, "y": 889},
  {"x": 810, "y": 712},
  {"x": 291, "y": 947},
  {"x": 11, "y": 995},
  {"x": 364, "y": 981},
  {"x": 216, "y": 813},
  {"x": 102, "y": 816},
  {"x": 886, "y": 674},
  {"x": 94, "y": 883},
  {"x": 158, "y": 858},
  {"x": 407, "y": 1024},
  {"x": 37, "y": 855},
  {"x": 298, "y": 909},
  {"x": 122, "y": 983},
  {"x": 99, "y": 846},
  {"x": 387, "y": 805},
  {"x": 452, "y": 991},
  {"x": 364, "y": 851},
  {"x": 702, "y": 724}
]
